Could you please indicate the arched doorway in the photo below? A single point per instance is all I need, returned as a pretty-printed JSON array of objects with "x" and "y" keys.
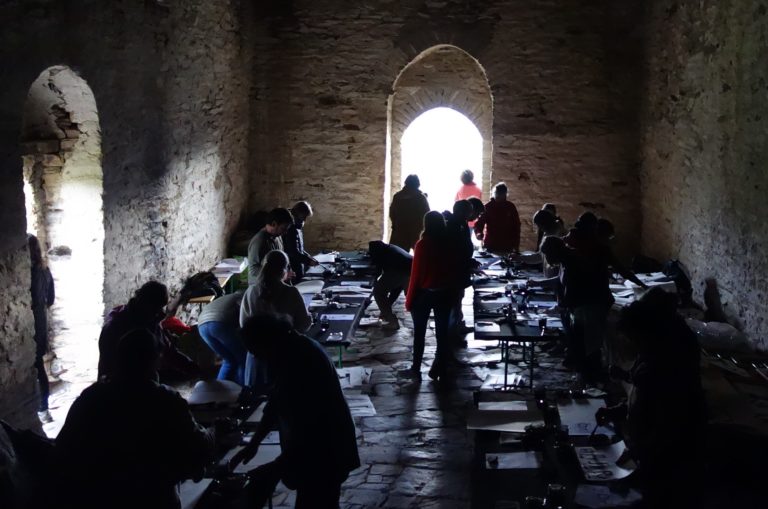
[
  {"x": 443, "y": 76},
  {"x": 438, "y": 145},
  {"x": 61, "y": 147}
]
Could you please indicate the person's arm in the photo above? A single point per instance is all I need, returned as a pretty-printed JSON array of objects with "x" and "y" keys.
[
  {"x": 623, "y": 271},
  {"x": 193, "y": 444},
  {"x": 416, "y": 274},
  {"x": 246, "y": 306},
  {"x": 50, "y": 295},
  {"x": 302, "y": 320},
  {"x": 480, "y": 226},
  {"x": 267, "y": 424}
]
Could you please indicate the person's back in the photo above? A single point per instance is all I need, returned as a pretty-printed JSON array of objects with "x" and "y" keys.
[
  {"x": 407, "y": 214},
  {"x": 468, "y": 187},
  {"x": 127, "y": 441},
  {"x": 499, "y": 226}
]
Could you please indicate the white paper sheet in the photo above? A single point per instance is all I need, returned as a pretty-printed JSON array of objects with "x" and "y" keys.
[
  {"x": 579, "y": 416},
  {"x": 513, "y": 460},
  {"x": 264, "y": 455},
  {"x": 326, "y": 258},
  {"x": 337, "y": 317},
  {"x": 272, "y": 438},
  {"x": 599, "y": 463},
  {"x": 509, "y": 406},
  {"x": 310, "y": 287},
  {"x": 191, "y": 492},
  {"x": 487, "y": 327},
  {"x": 503, "y": 420},
  {"x": 350, "y": 289},
  {"x": 353, "y": 283}
]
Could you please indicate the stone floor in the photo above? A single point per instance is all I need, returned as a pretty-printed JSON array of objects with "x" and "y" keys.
[{"x": 416, "y": 451}]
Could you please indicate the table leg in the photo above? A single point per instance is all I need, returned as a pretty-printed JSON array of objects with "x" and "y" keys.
[
  {"x": 505, "y": 353},
  {"x": 341, "y": 353},
  {"x": 532, "y": 359}
]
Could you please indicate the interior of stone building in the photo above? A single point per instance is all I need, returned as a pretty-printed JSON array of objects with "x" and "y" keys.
[{"x": 139, "y": 139}]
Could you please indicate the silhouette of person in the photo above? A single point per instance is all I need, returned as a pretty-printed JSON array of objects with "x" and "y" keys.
[{"x": 43, "y": 295}]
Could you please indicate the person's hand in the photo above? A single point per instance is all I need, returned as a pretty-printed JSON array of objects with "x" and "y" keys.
[
  {"x": 479, "y": 235},
  {"x": 244, "y": 455},
  {"x": 313, "y": 263},
  {"x": 289, "y": 275}
]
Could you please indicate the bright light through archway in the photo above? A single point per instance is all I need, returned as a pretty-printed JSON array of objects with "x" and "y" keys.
[{"x": 438, "y": 146}]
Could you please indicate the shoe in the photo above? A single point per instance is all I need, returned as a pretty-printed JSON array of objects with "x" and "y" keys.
[
  {"x": 391, "y": 324},
  {"x": 45, "y": 416}
]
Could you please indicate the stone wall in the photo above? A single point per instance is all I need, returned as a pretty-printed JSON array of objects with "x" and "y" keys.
[
  {"x": 564, "y": 80},
  {"x": 706, "y": 147},
  {"x": 171, "y": 92}
]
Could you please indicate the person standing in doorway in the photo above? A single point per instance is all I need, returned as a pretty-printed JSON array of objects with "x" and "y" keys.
[
  {"x": 407, "y": 213},
  {"x": 468, "y": 190},
  {"x": 499, "y": 226},
  {"x": 43, "y": 295}
]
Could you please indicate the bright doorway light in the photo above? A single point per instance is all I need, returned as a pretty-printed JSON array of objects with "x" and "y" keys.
[{"x": 437, "y": 146}]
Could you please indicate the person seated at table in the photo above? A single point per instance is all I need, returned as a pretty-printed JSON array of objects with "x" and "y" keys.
[
  {"x": 271, "y": 294},
  {"x": 406, "y": 213},
  {"x": 128, "y": 441},
  {"x": 664, "y": 419},
  {"x": 499, "y": 226},
  {"x": 293, "y": 240},
  {"x": 145, "y": 310},
  {"x": 394, "y": 264},
  {"x": 267, "y": 239},
  {"x": 432, "y": 287},
  {"x": 585, "y": 294},
  {"x": 219, "y": 326},
  {"x": 317, "y": 434}
]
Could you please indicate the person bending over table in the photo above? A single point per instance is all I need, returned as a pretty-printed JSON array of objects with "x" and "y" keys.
[
  {"x": 293, "y": 240},
  {"x": 395, "y": 266},
  {"x": 664, "y": 419},
  {"x": 432, "y": 287},
  {"x": 128, "y": 441},
  {"x": 317, "y": 434},
  {"x": 499, "y": 226},
  {"x": 270, "y": 294},
  {"x": 267, "y": 239},
  {"x": 219, "y": 326}
]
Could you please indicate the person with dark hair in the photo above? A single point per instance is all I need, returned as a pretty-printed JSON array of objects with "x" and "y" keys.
[
  {"x": 406, "y": 213},
  {"x": 147, "y": 308},
  {"x": 43, "y": 295},
  {"x": 459, "y": 237},
  {"x": 432, "y": 288},
  {"x": 499, "y": 226},
  {"x": 664, "y": 419},
  {"x": 219, "y": 327},
  {"x": 317, "y": 434},
  {"x": 477, "y": 210},
  {"x": 394, "y": 264},
  {"x": 293, "y": 240},
  {"x": 270, "y": 294},
  {"x": 128, "y": 441},
  {"x": 548, "y": 223},
  {"x": 468, "y": 187},
  {"x": 268, "y": 239}
]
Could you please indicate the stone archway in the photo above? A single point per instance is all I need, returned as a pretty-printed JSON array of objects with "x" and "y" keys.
[
  {"x": 61, "y": 152},
  {"x": 441, "y": 76}
]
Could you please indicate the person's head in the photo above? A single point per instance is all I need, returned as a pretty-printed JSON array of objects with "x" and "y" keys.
[
  {"x": 149, "y": 301},
  {"x": 274, "y": 268},
  {"x": 544, "y": 220},
  {"x": 138, "y": 354},
  {"x": 500, "y": 191},
  {"x": 261, "y": 334},
  {"x": 467, "y": 177},
  {"x": 554, "y": 249},
  {"x": 301, "y": 211},
  {"x": 412, "y": 182},
  {"x": 462, "y": 210},
  {"x": 477, "y": 208},
  {"x": 646, "y": 320},
  {"x": 278, "y": 221},
  {"x": 35, "y": 252},
  {"x": 587, "y": 222},
  {"x": 550, "y": 207},
  {"x": 434, "y": 225},
  {"x": 605, "y": 230}
]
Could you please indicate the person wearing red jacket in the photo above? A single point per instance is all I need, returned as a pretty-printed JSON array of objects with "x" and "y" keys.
[
  {"x": 499, "y": 226},
  {"x": 431, "y": 288}
]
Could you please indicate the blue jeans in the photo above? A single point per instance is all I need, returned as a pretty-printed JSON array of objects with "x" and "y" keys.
[
  {"x": 441, "y": 301},
  {"x": 224, "y": 339}
]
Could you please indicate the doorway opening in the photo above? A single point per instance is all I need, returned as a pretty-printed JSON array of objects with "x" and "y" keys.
[
  {"x": 61, "y": 151},
  {"x": 445, "y": 82},
  {"x": 437, "y": 146}
]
